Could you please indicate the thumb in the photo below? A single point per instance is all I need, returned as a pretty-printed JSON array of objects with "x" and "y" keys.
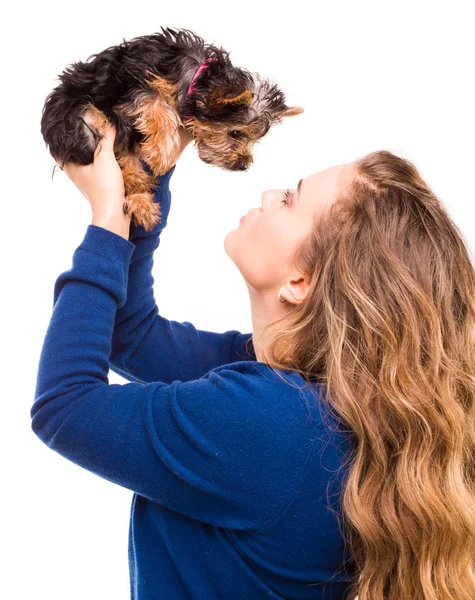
[{"x": 107, "y": 141}]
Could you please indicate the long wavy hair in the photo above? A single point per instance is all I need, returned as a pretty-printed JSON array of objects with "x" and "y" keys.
[{"x": 388, "y": 327}]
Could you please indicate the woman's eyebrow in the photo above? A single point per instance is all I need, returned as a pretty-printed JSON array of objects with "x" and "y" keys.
[{"x": 299, "y": 187}]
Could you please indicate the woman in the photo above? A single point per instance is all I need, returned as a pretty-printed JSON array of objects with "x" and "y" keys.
[{"x": 327, "y": 455}]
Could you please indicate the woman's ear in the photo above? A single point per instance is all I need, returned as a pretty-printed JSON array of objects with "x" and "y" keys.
[{"x": 295, "y": 290}]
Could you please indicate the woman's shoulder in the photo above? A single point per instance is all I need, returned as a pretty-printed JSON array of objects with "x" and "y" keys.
[{"x": 265, "y": 388}]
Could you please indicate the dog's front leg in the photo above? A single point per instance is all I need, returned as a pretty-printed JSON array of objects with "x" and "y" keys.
[{"x": 140, "y": 188}]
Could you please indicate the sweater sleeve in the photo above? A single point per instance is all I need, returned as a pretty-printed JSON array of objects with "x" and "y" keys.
[
  {"x": 141, "y": 334},
  {"x": 211, "y": 448}
]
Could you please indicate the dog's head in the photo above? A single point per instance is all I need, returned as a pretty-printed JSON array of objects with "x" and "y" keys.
[{"x": 231, "y": 114}]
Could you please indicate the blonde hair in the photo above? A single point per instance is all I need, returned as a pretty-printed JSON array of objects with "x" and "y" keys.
[{"x": 388, "y": 327}]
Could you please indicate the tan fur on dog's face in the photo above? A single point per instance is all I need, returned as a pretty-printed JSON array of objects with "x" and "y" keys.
[
  {"x": 228, "y": 121},
  {"x": 227, "y": 146}
]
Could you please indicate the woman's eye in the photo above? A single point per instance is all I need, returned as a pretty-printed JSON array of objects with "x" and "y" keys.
[{"x": 285, "y": 197}]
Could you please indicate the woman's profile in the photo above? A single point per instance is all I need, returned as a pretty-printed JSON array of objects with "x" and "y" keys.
[{"x": 328, "y": 454}]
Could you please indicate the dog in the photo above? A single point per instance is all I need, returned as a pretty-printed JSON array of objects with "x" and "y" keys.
[{"x": 153, "y": 89}]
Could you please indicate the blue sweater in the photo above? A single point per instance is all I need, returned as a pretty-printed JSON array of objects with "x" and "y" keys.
[{"x": 229, "y": 464}]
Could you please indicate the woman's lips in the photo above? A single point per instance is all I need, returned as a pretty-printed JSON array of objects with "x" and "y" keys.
[{"x": 242, "y": 219}]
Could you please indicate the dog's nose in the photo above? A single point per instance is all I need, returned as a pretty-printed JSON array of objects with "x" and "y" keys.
[{"x": 241, "y": 165}]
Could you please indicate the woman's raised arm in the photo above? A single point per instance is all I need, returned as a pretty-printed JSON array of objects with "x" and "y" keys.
[{"x": 147, "y": 347}]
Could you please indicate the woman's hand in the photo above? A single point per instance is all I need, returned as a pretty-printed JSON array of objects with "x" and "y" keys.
[{"x": 102, "y": 184}]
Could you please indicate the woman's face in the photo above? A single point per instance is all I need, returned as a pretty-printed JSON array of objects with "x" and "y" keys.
[{"x": 264, "y": 244}]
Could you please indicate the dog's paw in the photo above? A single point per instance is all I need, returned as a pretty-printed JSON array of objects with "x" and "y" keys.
[{"x": 145, "y": 212}]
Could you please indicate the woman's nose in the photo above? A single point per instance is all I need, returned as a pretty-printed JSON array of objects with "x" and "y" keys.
[{"x": 270, "y": 197}]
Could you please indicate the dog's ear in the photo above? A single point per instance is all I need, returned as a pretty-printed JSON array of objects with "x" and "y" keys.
[
  {"x": 219, "y": 101},
  {"x": 290, "y": 111}
]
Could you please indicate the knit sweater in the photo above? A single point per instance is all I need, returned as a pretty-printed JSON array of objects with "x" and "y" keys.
[{"x": 232, "y": 469}]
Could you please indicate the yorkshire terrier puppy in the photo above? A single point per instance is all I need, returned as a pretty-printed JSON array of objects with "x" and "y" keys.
[{"x": 150, "y": 88}]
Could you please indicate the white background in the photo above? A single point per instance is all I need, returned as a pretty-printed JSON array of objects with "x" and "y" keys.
[{"x": 370, "y": 75}]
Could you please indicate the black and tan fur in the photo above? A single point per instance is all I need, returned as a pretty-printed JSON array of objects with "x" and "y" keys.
[{"x": 140, "y": 86}]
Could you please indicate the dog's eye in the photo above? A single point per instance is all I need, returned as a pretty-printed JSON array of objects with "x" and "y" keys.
[{"x": 235, "y": 133}]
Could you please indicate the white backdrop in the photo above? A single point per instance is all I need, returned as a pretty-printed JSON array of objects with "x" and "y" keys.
[{"x": 370, "y": 75}]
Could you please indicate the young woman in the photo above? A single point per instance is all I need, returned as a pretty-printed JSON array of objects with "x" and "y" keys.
[{"x": 328, "y": 454}]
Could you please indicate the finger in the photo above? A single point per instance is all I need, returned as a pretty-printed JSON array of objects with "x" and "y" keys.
[
  {"x": 64, "y": 167},
  {"x": 110, "y": 130},
  {"x": 67, "y": 168},
  {"x": 107, "y": 141}
]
